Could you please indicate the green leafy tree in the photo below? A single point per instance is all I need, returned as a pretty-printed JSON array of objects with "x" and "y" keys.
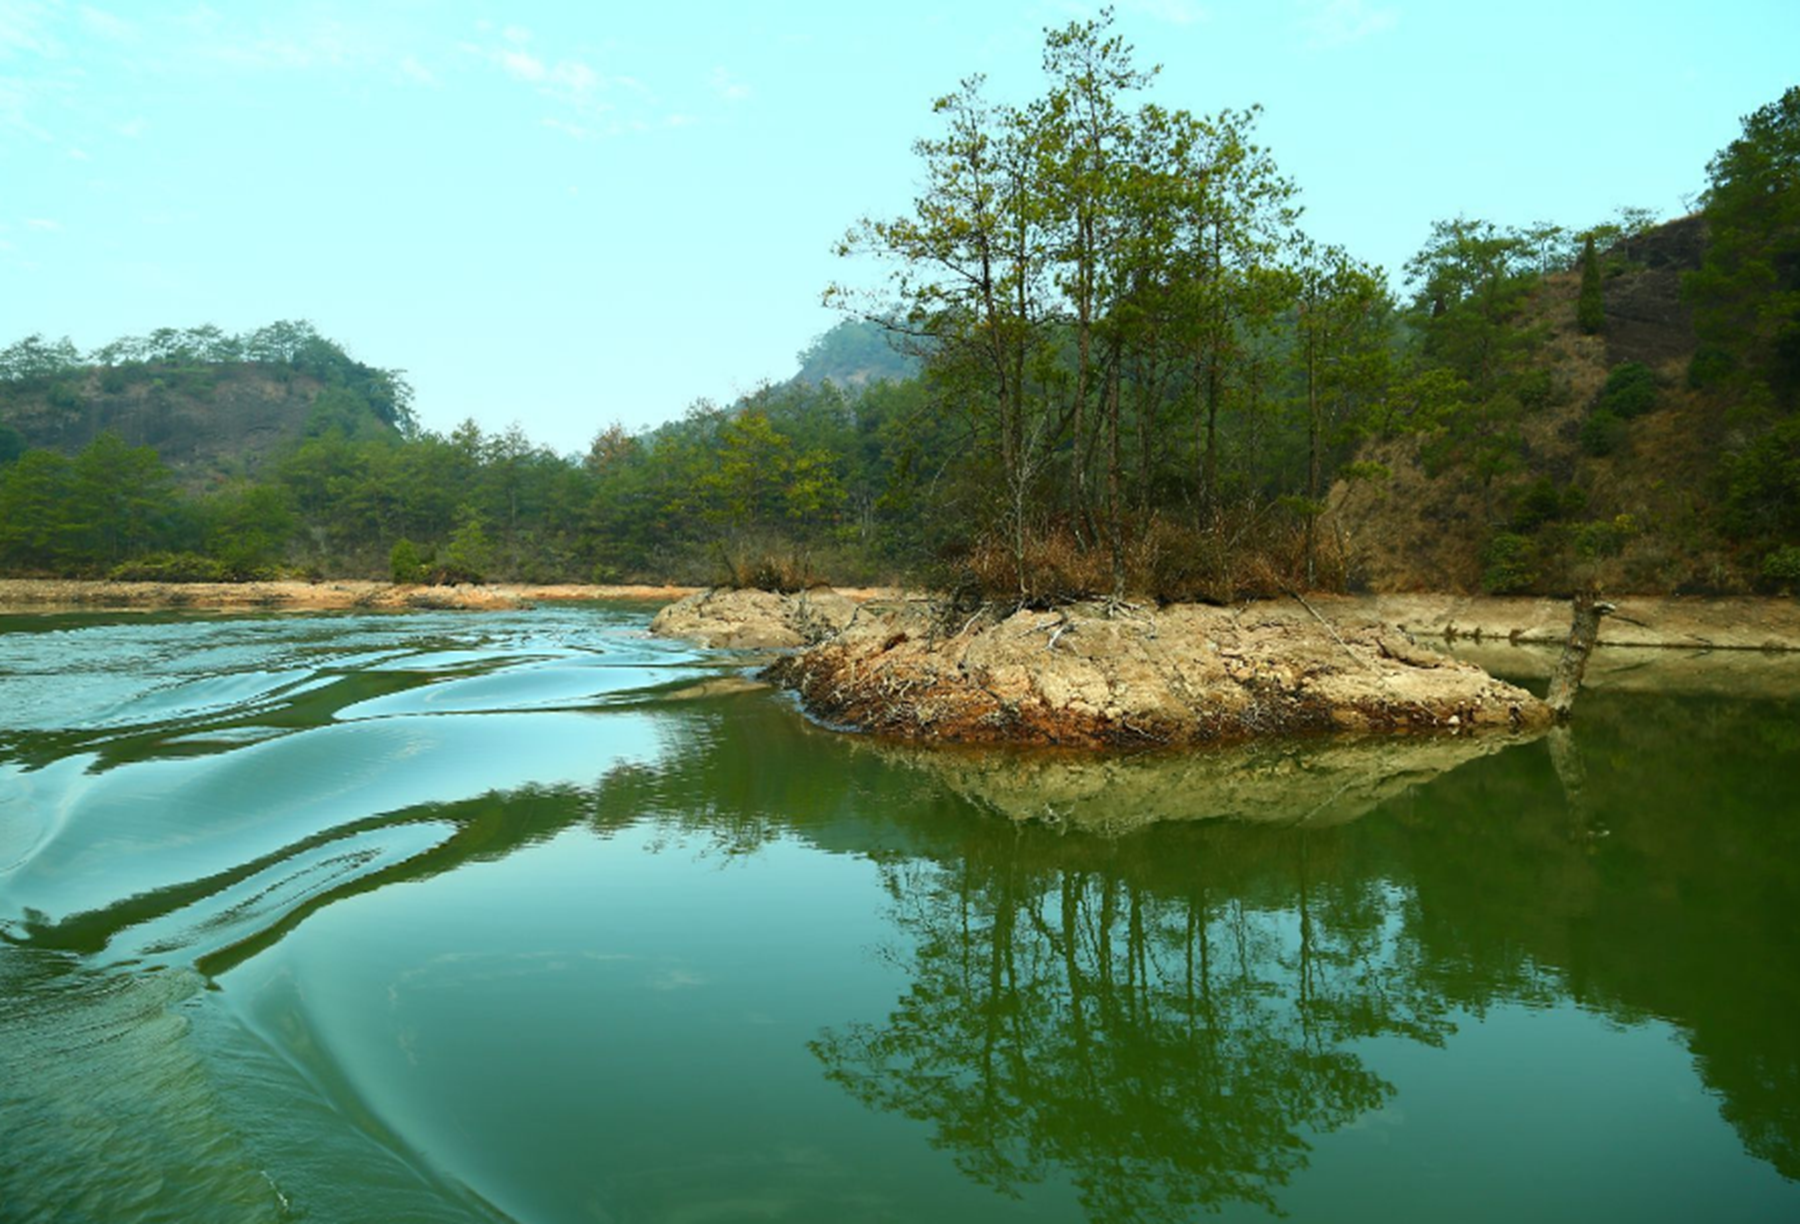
[
  {"x": 1590, "y": 306},
  {"x": 1341, "y": 350},
  {"x": 122, "y": 501},
  {"x": 36, "y": 524},
  {"x": 248, "y": 527},
  {"x": 1746, "y": 295}
]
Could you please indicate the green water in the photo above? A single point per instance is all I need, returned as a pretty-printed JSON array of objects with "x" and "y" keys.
[{"x": 531, "y": 917}]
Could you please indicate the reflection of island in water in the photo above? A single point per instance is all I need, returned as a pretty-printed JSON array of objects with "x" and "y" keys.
[
  {"x": 1282, "y": 781},
  {"x": 1164, "y": 1019},
  {"x": 1166, "y": 1023}
]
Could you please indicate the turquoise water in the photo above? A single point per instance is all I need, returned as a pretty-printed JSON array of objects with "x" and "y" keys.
[{"x": 532, "y": 917}]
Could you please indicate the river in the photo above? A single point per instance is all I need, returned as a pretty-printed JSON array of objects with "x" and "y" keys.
[{"x": 529, "y": 916}]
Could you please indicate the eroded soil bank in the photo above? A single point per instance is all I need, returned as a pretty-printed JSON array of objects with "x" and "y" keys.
[{"x": 1178, "y": 675}]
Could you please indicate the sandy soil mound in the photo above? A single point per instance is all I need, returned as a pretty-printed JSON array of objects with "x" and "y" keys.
[
  {"x": 1178, "y": 675},
  {"x": 759, "y": 620}
]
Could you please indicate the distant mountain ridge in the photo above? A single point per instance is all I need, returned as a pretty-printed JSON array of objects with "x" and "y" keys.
[{"x": 854, "y": 354}]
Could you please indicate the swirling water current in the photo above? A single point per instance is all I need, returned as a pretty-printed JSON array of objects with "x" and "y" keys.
[{"x": 529, "y": 916}]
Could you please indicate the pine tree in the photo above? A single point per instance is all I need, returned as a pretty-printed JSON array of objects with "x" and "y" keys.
[{"x": 1590, "y": 308}]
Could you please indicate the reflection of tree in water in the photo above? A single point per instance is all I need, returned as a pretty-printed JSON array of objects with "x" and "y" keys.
[
  {"x": 1166, "y": 1050},
  {"x": 1164, "y": 1018}
]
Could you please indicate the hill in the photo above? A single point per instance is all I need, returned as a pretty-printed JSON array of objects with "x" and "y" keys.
[
  {"x": 213, "y": 407},
  {"x": 1633, "y": 496}
]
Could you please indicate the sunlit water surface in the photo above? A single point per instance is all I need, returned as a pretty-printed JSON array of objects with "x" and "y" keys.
[{"x": 532, "y": 917}]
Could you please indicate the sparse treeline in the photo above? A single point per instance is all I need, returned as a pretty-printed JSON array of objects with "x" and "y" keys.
[
  {"x": 789, "y": 484},
  {"x": 57, "y": 366},
  {"x": 1151, "y": 373},
  {"x": 1124, "y": 371}
]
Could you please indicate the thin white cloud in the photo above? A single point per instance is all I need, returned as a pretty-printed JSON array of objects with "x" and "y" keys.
[
  {"x": 589, "y": 104},
  {"x": 573, "y": 131},
  {"x": 416, "y": 72},
  {"x": 522, "y": 65},
  {"x": 1338, "y": 23},
  {"x": 106, "y": 25},
  {"x": 24, "y": 29},
  {"x": 79, "y": 155},
  {"x": 574, "y": 83},
  {"x": 727, "y": 88},
  {"x": 134, "y": 127},
  {"x": 290, "y": 43},
  {"x": 43, "y": 224}
]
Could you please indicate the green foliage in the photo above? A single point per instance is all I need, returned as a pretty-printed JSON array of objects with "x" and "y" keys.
[
  {"x": 1782, "y": 566},
  {"x": 1590, "y": 306},
  {"x": 405, "y": 564},
  {"x": 180, "y": 567},
  {"x": 1746, "y": 295},
  {"x": 341, "y": 411},
  {"x": 468, "y": 556},
  {"x": 1711, "y": 365},
  {"x": 1631, "y": 390},
  {"x": 248, "y": 527},
  {"x": 1604, "y": 538},
  {"x": 12, "y": 444},
  {"x": 855, "y": 352},
  {"x": 37, "y": 360},
  {"x": 1509, "y": 563},
  {"x": 1541, "y": 502},
  {"x": 1470, "y": 282},
  {"x": 1762, "y": 485},
  {"x": 1604, "y": 433},
  {"x": 109, "y": 503}
]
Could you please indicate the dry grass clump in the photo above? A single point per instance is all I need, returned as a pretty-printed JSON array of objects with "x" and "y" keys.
[
  {"x": 767, "y": 563},
  {"x": 1251, "y": 554}
]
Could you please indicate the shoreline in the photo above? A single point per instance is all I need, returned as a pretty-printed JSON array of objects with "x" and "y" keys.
[
  {"x": 1691, "y": 623},
  {"x": 53, "y": 595}
]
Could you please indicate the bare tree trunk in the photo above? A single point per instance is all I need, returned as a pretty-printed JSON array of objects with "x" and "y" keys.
[{"x": 1584, "y": 634}]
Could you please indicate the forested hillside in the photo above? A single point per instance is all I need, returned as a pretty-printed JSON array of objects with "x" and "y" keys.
[{"x": 1100, "y": 357}]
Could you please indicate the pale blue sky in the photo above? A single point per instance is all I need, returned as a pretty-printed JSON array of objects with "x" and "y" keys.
[{"x": 570, "y": 214}]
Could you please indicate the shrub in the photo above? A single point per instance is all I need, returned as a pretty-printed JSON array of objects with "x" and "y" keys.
[
  {"x": 1630, "y": 390},
  {"x": 1782, "y": 567},
  {"x": 467, "y": 557},
  {"x": 1603, "y": 433},
  {"x": 405, "y": 564},
  {"x": 1709, "y": 366},
  {"x": 177, "y": 567},
  {"x": 1509, "y": 563},
  {"x": 1252, "y": 552},
  {"x": 1542, "y": 502},
  {"x": 1605, "y": 538}
]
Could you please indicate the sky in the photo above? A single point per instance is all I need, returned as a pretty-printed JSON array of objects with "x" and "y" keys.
[{"x": 567, "y": 215}]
